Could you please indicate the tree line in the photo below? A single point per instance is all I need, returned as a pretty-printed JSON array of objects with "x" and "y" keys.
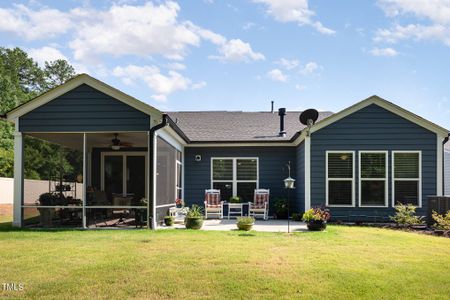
[{"x": 22, "y": 79}]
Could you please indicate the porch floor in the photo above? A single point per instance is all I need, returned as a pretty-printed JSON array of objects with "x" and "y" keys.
[{"x": 260, "y": 225}]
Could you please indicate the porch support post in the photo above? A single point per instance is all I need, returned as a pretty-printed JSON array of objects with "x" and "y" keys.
[
  {"x": 18, "y": 177},
  {"x": 151, "y": 205},
  {"x": 439, "y": 166},
  {"x": 307, "y": 172},
  {"x": 84, "y": 179}
]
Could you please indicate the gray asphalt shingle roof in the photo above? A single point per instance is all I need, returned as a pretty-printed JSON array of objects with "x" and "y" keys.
[{"x": 227, "y": 126}]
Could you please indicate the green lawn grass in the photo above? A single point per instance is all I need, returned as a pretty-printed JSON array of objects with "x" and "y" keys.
[{"x": 341, "y": 263}]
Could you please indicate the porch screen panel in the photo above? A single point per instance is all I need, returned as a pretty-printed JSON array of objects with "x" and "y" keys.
[
  {"x": 166, "y": 171},
  {"x": 373, "y": 178},
  {"x": 53, "y": 180}
]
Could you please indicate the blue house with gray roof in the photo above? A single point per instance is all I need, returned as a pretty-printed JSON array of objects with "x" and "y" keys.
[{"x": 135, "y": 160}]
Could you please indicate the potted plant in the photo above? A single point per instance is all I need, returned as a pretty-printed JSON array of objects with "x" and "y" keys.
[
  {"x": 235, "y": 199},
  {"x": 245, "y": 223},
  {"x": 46, "y": 214},
  {"x": 281, "y": 210},
  {"x": 194, "y": 217},
  {"x": 168, "y": 220},
  {"x": 316, "y": 218}
]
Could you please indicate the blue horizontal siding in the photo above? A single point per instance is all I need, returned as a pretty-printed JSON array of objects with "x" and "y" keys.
[
  {"x": 84, "y": 109},
  {"x": 272, "y": 169},
  {"x": 371, "y": 128}
]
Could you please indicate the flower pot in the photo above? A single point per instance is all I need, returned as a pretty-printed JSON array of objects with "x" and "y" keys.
[
  {"x": 168, "y": 221},
  {"x": 246, "y": 227},
  {"x": 46, "y": 216},
  {"x": 193, "y": 223},
  {"x": 316, "y": 225}
]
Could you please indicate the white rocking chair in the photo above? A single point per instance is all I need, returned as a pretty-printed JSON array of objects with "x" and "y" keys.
[
  {"x": 260, "y": 205},
  {"x": 213, "y": 204}
]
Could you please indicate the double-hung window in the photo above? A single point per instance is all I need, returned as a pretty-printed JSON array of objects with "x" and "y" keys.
[
  {"x": 340, "y": 174},
  {"x": 373, "y": 170},
  {"x": 406, "y": 177},
  {"x": 235, "y": 177}
]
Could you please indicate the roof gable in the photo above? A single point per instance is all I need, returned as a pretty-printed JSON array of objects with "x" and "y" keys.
[
  {"x": 74, "y": 83},
  {"x": 389, "y": 106}
]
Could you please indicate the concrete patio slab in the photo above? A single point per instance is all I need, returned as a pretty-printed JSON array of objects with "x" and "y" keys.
[{"x": 260, "y": 225}]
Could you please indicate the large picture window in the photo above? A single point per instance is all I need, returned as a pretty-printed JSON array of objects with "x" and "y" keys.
[
  {"x": 235, "y": 177},
  {"x": 340, "y": 174},
  {"x": 373, "y": 178},
  {"x": 406, "y": 177}
]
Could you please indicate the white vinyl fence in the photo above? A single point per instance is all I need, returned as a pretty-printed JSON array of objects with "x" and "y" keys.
[{"x": 32, "y": 189}]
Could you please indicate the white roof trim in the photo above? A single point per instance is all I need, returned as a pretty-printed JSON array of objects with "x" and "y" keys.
[
  {"x": 384, "y": 104},
  {"x": 75, "y": 82}
]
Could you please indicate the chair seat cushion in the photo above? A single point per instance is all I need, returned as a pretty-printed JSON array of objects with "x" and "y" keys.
[
  {"x": 213, "y": 206},
  {"x": 257, "y": 209}
]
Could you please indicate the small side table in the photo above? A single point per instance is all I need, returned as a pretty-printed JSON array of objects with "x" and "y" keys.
[
  {"x": 179, "y": 213},
  {"x": 235, "y": 209}
]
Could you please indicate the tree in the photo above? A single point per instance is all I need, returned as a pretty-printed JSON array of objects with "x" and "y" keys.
[
  {"x": 57, "y": 72},
  {"x": 21, "y": 79}
]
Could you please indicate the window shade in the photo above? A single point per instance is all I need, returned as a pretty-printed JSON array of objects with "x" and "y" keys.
[
  {"x": 222, "y": 169},
  {"x": 406, "y": 165},
  {"x": 340, "y": 165},
  {"x": 246, "y": 169},
  {"x": 373, "y": 165}
]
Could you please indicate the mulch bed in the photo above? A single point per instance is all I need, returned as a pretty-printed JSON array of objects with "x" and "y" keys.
[{"x": 414, "y": 229}]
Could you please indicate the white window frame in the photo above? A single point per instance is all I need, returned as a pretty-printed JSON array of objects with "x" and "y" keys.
[
  {"x": 386, "y": 196},
  {"x": 419, "y": 180},
  {"x": 234, "y": 180},
  {"x": 340, "y": 179},
  {"x": 124, "y": 167},
  {"x": 179, "y": 188}
]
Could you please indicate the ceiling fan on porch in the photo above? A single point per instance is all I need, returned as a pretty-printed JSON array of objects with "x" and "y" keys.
[{"x": 116, "y": 144}]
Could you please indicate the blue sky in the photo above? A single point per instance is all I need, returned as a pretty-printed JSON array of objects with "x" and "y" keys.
[{"x": 240, "y": 55}]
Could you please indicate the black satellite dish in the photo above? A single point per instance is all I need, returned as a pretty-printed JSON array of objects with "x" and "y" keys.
[{"x": 309, "y": 114}]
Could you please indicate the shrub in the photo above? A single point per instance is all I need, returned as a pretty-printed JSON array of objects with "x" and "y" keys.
[
  {"x": 297, "y": 217},
  {"x": 195, "y": 212},
  {"x": 245, "y": 220},
  {"x": 317, "y": 214},
  {"x": 236, "y": 199},
  {"x": 442, "y": 221},
  {"x": 169, "y": 220},
  {"x": 405, "y": 215},
  {"x": 280, "y": 206}
]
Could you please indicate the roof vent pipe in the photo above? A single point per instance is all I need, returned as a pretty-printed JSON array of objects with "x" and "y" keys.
[
  {"x": 272, "y": 107},
  {"x": 282, "y": 113}
]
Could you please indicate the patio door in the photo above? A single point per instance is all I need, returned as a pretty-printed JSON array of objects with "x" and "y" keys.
[{"x": 124, "y": 173}]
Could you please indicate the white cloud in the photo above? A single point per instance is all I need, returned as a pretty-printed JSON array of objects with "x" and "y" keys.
[
  {"x": 300, "y": 87},
  {"x": 383, "y": 52},
  {"x": 309, "y": 68},
  {"x": 276, "y": 75},
  {"x": 121, "y": 30},
  {"x": 33, "y": 25},
  {"x": 248, "y": 25},
  {"x": 176, "y": 66},
  {"x": 162, "y": 85},
  {"x": 435, "y": 12},
  {"x": 293, "y": 11},
  {"x": 288, "y": 64},
  {"x": 41, "y": 55},
  {"x": 134, "y": 30},
  {"x": 47, "y": 53},
  {"x": 238, "y": 51}
]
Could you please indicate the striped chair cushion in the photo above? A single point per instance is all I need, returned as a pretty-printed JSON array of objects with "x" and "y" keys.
[
  {"x": 212, "y": 199},
  {"x": 260, "y": 200}
]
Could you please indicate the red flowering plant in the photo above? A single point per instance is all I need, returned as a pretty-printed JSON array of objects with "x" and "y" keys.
[{"x": 318, "y": 213}]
